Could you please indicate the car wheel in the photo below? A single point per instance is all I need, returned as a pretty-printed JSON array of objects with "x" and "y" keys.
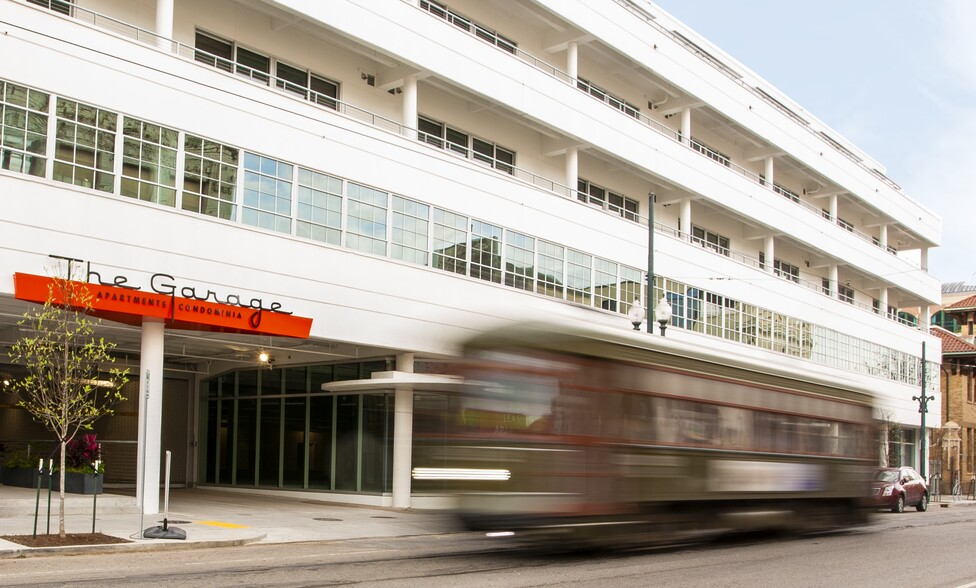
[
  {"x": 923, "y": 503},
  {"x": 899, "y": 505}
]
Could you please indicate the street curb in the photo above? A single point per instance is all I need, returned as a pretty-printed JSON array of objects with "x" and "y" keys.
[{"x": 26, "y": 552}]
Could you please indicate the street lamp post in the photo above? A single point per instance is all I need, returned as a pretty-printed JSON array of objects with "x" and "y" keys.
[
  {"x": 651, "y": 197},
  {"x": 663, "y": 314},
  {"x": 923, "y": 407}
]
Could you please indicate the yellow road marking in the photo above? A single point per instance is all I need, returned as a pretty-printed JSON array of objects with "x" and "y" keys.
[{"x": 221, "y": 524}]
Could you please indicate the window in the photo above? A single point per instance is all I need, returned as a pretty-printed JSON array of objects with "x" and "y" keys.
[
  {"x": 578, "y": 280},
  {"x": 410, "y": 230},
  {"x": 825, "y": 286},
  {"x": 227, "y": 56},
  {"x": 149, "y": 154},
  {"x": 253, "y": 65},
  {"x": 366, "y": 218},
  {"x": 786, "y": 270},
  {"x": 604, "y": 96},
  {"x": 786, "y": 193},
  {"x": 267, "y": 193},
  {"x": 590, "y": 193},
  {"x": 519, "y": 261},
  {"x": 713, "y": 241},
  {"x": 442, "y": 136},
  {"x": 843, "y": 223},
  {"x": 450, "y": 241},
  {"x": 605, "y": 284},
  {"x": 62, "y": 6},
  {"x": 319, "y": 212},
  {"x": 307, "y": 85},
  {"x": 495, "y": 156},
  {"x": 84, "y": 151},
  {"x": 209, "y": 177},
  {"x": 845, "y": 293},
  {"x": 710, "y": 153},
  {"x": 486, "y": 251},
  {"x": 23, "y": 129},
  {"x": 214, "y": 52},
  {"x": 550, "y": 273},
  {"x": 462, "y": 22}
]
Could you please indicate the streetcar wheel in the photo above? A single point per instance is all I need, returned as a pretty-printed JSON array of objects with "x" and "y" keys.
[
  {"x": 899, "y": 504},
  {"x": 923, "y": 503}
]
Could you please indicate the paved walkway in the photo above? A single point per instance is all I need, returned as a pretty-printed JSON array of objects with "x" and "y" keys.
[
  {"x": 210, "y": 518},
  {"x": 214, "y": 517}
]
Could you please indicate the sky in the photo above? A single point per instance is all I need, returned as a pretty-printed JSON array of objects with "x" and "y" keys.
[{"x": 895, "y": 77}]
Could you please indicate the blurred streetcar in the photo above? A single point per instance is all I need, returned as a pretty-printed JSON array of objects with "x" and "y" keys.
[{"x": 590, "y": 436}]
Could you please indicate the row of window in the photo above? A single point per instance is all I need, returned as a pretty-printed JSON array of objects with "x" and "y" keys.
[
  {"x": 225, "y": 182},
  {"x": 231, "y": 57},
  {"x": 462, "y": 22},
  {"x": 461, "y": 142}
]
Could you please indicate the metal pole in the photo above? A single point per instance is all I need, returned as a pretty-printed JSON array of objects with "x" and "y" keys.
[
  {"x": 924, "y": 409},
  {"x": 649, "y": 297}
]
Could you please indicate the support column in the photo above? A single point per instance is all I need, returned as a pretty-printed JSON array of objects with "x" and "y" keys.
[
  {"x": 685, "y": 220},
  {"x": 164, "y": 24},
  {"x": 572, "y": 171},
  {"x": 883, "y": 237},
  {"x": 769, "y": 252},
  {"x": 686, "y": 125},
  {"x": 833, "y": 280},
  {"x": 402, "y": 435},
  {"x": 833, "y": 208},
  {"x": 923, "y": 258},
  {"x": 883, "y": 300},
  {"x": 769, "y": 172},
  {"x": 409, "y": 95},
  {"x": 150, "y": 414},
  {"x": 924, "y": 320},
  {"x": 572, "y": 59}
]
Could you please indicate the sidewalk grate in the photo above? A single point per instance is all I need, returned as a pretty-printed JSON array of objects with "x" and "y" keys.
[
  {"x": 381, "y": 517},
  {"x": 327, "y": 519}
]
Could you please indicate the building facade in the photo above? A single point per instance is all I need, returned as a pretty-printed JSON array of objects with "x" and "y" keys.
[{"x": 406, "y": 173}]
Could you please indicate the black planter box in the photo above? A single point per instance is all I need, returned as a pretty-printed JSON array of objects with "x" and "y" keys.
[
  {"x": 77, "y": 483},
  {"x": 20, "y": 477}
]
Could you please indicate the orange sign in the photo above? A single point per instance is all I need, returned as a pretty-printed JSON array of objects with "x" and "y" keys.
[{"x": 128, "y": 305}]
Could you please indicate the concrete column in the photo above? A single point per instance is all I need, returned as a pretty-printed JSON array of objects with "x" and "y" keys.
[
  {"x": 572, "y": 170},
  {"x": 924, "y": 320},
  {"x": 686, "y": 125},
  {"x": 923, "y": 258},
  {"x": 150, "y": 414},
  {"x": 833, "y": 280},
  {"x": 409, "y": 95},
  {"x": 769, "y": 251},
  {"x": 402, "y": 435},
  {"x": 833, "y": 208},
  {"x": 883, "y": 299},
  {"x": 769, "y": 172},
  {"x": 164, "y": 24},
  {"x": 572, "y": 59},
  {"x": 686, "y": 217}
]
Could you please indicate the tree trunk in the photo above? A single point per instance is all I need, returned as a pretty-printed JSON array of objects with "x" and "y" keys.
[{"x": 61, "y": 492}]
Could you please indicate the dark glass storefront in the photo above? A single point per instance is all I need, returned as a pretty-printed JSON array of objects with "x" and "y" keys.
[{"x": 275, "y": 428}]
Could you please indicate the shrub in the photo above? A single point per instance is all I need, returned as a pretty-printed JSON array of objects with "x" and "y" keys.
[{"x": 82, "y": 453}]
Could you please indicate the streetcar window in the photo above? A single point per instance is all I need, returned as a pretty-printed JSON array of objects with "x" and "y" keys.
[{"x": 510, "y": 403}]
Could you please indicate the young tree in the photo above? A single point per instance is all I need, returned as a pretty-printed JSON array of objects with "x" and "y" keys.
[{"x": 70, "y": 381}]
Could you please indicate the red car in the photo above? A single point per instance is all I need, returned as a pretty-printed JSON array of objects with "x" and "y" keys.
[{"x": 896, "y": 488}]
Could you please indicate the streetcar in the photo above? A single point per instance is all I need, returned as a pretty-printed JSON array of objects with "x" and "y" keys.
[{"x": 591, "y": 436}]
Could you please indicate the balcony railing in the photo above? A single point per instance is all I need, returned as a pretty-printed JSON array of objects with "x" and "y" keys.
[
  {"x": 285, "y": 87},
  {"x": 662, "y": 129}
]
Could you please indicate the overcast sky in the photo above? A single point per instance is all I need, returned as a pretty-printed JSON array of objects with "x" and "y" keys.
[{"x": 895, "y": 77}]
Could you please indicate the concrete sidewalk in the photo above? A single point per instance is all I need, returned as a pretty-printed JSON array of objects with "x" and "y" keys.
[{"x": 210, "y": 518}]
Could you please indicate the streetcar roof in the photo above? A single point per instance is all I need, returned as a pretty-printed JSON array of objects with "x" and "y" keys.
[{"x": 596, "y": 341}]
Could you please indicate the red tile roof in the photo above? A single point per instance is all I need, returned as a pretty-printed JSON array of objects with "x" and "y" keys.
[
  {"x": 964, "y": 304},
  {"x": 951, "y": 343}
]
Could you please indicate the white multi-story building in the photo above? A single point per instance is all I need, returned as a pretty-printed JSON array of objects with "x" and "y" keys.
[{"x": 405, "y": 173}]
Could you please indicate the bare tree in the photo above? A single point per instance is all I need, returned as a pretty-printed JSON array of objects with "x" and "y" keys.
[{"x": 70, "y": 381}]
